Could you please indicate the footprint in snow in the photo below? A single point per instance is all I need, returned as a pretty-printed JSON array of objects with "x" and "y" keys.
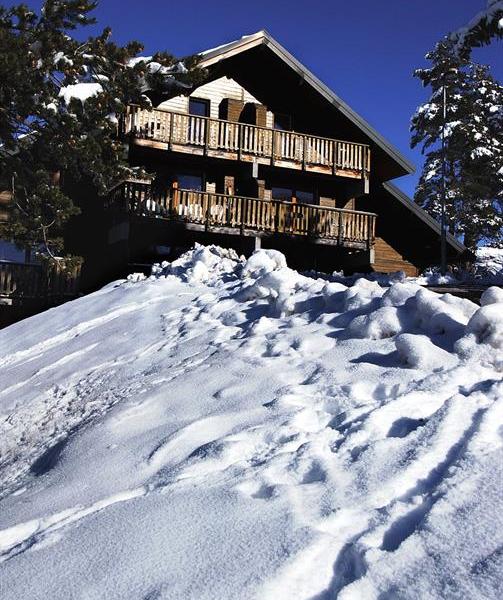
[{"x": 403, "y": 426}]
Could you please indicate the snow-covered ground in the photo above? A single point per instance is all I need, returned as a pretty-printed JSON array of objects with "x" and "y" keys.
[
  {"x": 229, "y": 429},
  {"x": 489, "y": 264},
  {"x": 486, "y": 270}
]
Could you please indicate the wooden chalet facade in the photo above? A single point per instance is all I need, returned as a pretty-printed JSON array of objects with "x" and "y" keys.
[{"x": 262, "y": 154}]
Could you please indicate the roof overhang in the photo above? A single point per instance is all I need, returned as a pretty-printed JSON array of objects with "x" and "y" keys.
[
  {"x": 421, "y": 214},
  {"x": 263, "y": 38}
]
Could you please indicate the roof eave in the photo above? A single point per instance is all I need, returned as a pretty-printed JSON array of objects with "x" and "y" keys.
[{"x": 423, "y": 215}]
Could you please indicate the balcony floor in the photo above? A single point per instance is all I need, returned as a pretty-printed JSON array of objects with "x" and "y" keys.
[{"x": 243, "y": 157}]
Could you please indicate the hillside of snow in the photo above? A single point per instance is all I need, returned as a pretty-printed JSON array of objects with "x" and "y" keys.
[{"x": 231, "y": 429}]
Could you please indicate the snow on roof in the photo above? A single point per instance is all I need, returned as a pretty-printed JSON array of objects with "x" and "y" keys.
[{"x": 210, "y": 50}]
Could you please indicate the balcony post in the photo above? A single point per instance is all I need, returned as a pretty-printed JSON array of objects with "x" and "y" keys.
[
  {"x": 365, "y": 170},
  {"x": 171, "y": 126},
  {"x": 207, "y": 124},
  {"x": 339, "y": 234},
  {"x": 208, "y": 210},
  {"x": 366, "y": 183},
  {"x": 244, "y": 212},
  {"x": 240, "y": 140},
  {"x": 173, "y": 198}
]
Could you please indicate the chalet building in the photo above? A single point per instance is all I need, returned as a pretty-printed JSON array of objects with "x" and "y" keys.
[{"x": 262, "y": 155}]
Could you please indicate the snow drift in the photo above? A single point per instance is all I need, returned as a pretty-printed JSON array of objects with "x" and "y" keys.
[{"x": 230, "y": 428}]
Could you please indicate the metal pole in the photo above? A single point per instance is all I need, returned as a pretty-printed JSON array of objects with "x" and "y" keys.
[{"x": 443, "y": 224}]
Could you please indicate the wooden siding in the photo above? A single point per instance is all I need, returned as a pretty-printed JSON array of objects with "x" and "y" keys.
[
  {"x": 326, "y": 201},
  {"x": 215, "y": 91},
  {"x": 388, "y": 260}
]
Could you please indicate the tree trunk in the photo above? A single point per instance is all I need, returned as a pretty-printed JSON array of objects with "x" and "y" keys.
[{"x": 470, "y": 240}]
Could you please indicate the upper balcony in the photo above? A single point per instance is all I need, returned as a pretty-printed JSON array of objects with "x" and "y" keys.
[{"x": 205, "y": 136}]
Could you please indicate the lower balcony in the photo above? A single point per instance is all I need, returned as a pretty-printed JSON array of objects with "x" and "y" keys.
[{"x": 238, "y": 215}]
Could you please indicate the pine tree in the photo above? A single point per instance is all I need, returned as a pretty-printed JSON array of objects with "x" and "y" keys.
[
  {"x": 60, "y": 103},
  {"x": 481, "y": 30},
  {"x": 473, "y": 145}
]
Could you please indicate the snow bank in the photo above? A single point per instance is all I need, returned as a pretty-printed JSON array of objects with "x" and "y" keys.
[
  {"x": 486, "y": 270},
  {"x": 229, "y": 428},
  {"x": 265, "y": 276},
  {"x": 263, "y": 262}
]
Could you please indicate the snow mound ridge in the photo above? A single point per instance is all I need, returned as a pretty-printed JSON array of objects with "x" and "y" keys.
[
  {"x": 369, "y": 309},
  {"x": 201, "y": 264}
]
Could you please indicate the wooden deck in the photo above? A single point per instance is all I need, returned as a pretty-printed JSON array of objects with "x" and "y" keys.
[
  {"x": 205, "y": 136},
  {"x": 238, "y": 215}
]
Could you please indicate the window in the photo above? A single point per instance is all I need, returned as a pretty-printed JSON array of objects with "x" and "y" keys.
[
  {"x": 279, "y": 193},
  {"x": 190, "y": 182},
  {"x": 199, "y": 107},
  {"x": 304, "y": 197},
  {"x": 282, "y": 121}
]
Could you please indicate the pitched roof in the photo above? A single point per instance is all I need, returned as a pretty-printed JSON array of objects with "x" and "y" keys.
[{"x": 215, "y": 55}]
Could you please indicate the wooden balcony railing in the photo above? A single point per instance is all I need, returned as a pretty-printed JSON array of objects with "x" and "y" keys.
[
  {"x": 248, "y": 216},
  {"x": 21, "y": 283},
  {"x": 239, "y": 141}
]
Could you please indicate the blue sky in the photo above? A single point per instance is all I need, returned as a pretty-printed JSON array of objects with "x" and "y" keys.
[{"x": 364, "y": 50}]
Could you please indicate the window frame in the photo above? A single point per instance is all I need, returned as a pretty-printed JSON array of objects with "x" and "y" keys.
[{"x": 204, "y": 101}]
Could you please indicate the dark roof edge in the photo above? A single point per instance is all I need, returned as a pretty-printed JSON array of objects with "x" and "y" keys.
[
  {"x": 264, "y": 37},
  {"x": 423, "y": 215}
]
